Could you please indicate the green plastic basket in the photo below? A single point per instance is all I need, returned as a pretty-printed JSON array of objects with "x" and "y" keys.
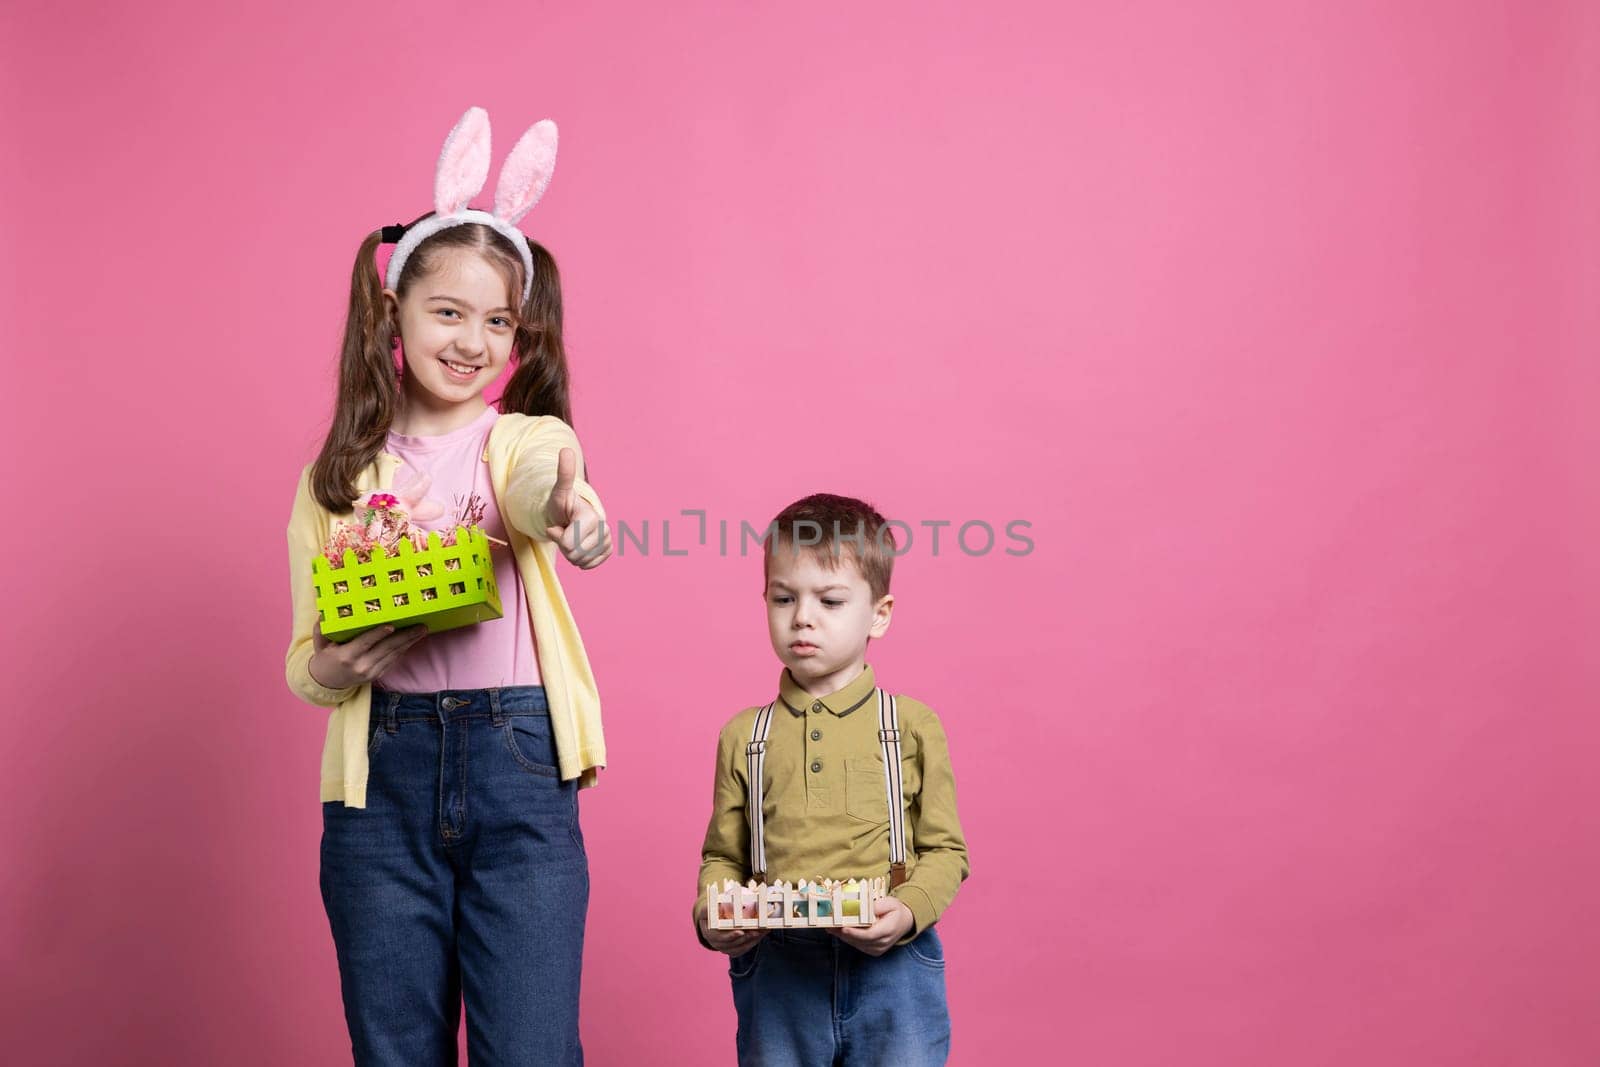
[{"x": 438, "y": 586}]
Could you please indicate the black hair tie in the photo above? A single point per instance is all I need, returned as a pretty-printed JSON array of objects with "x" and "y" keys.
[{"x": 392, "y": 234}]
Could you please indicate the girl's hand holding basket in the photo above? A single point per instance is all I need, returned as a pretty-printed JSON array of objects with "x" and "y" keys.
[{"x": 363, "y": 658}]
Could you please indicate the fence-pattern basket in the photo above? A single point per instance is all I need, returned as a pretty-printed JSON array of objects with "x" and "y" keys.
[
  {"x": 741, "y": 907},
  {"x": 440, "y": 586}
]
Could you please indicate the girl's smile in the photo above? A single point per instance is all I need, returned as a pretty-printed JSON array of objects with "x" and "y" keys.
[{"x": 461, "y": 371}]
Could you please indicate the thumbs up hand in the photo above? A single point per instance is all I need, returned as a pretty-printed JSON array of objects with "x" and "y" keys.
[{"x": 572, "y": 522}]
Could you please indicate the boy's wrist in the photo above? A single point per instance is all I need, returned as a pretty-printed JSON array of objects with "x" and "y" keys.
[
  {"x": 700, "y": 930},
  {"x": 917, "y": 901}
]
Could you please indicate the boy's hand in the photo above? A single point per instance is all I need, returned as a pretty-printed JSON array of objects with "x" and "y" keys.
[
  {"x": 733, "y": 942},
  {"x": 572, "y": 522},
  {"x": 892, "y": 920}
]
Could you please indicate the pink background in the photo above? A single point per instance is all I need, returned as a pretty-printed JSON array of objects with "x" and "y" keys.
[{"x": 1277, "y": 321}]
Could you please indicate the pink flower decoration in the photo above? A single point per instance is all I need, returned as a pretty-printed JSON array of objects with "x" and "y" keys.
[{"x": 384, "y": 519}]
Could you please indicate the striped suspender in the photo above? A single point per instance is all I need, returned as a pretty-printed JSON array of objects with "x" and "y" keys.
[
  {"x": 894, "y": 791},
  {"x": 755, "y": 754},
  {"x": 889, "y": 738}
]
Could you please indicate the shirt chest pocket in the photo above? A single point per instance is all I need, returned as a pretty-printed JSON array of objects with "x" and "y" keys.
[{"x": 866, "y": 795}]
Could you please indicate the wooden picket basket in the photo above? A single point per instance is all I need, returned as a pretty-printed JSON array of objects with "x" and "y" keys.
[
  {"x": 441, "y": 586},
  {"x": 808, "y": 904}
]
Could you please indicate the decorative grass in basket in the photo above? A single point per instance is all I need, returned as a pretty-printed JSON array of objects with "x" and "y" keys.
[{"x": 381, "y": 570}]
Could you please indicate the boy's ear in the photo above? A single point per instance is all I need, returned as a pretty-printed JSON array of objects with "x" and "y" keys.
[{"x": 882, "y": 612}]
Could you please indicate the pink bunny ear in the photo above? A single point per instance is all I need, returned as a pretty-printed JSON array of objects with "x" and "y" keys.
[
  {"x": 414, "y": 498},
  {"x": 526, "y": 172},
  {"x": 427, "y": 511},
  {"x": 463, "y": 163}
]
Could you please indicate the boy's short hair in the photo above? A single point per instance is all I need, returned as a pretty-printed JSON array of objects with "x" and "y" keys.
[{"x": 823, "y": 524}]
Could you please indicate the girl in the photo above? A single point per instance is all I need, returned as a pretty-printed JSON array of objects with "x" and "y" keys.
[{"x": 452, "y": 860}]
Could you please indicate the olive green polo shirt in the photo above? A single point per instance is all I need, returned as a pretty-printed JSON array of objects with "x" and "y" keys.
[{"x": 826, "y": 811}]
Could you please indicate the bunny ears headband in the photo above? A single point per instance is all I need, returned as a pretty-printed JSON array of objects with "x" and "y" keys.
[{"x": 463, "y": 168}]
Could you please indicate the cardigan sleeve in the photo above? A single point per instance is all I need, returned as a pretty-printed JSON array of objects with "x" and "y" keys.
[
  {"x": 536, "y": 450},
  {"x": 308, "y": 526}
]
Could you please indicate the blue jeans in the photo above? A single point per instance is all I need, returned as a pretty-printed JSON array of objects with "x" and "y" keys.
[
  {"x": 465, "y": 875},
  {"x": 806, "y": 999}
]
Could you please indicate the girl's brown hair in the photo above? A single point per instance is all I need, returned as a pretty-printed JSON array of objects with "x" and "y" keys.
[{"x": 369, "y": 387}]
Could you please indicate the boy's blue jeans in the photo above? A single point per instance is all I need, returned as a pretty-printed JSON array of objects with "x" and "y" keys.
[
  {"x": 807, "y": 999},
  {"x": 465, "y": 874}
]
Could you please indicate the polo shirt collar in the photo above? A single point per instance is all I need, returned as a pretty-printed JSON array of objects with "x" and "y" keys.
[{"x": 842, "y": 703}]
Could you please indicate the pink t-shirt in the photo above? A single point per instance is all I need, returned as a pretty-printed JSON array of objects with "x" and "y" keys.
[{"x": 497, "y": 652}]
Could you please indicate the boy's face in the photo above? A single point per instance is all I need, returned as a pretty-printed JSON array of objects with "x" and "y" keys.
[{"x": 820, "y": 618}]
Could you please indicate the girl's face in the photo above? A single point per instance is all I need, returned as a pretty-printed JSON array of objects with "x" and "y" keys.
[{"x": 456, "y": 329}]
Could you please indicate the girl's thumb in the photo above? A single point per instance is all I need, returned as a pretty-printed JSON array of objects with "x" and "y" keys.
[{"x": 566, "y": 469}]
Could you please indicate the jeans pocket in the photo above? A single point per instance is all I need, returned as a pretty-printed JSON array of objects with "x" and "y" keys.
[
  {"x": 927, "y": 949},
  {"x": 529, "y": 740},
  {"x": 744, "y": 964}
]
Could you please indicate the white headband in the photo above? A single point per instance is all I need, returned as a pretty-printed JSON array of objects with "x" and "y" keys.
[{"x": 463, "y": 169}]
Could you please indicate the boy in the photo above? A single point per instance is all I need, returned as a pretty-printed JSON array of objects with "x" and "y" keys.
[{"x": 853, "y": 995}]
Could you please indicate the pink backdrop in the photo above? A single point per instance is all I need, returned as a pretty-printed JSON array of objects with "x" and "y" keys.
[{"x": 1277, "y": 322}]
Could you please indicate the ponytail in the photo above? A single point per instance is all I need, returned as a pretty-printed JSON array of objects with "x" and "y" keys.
[
  {"x": 369, "y": 390},
  {"x": 539, "y": 385}
]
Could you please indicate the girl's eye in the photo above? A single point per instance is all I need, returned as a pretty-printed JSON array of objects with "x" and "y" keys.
[
  {"x": 500, "y": 321},
  {"x": 833, "y": 603},
  {"x": 448, "y": 311},
  {"x": 779, "y": 598}
]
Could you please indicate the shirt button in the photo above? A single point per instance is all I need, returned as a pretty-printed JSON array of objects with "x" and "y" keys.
[
  {"x": 816, "y": 735},
  {"x": 816, "y": 709},
  {"x": 816, "y": 766}
]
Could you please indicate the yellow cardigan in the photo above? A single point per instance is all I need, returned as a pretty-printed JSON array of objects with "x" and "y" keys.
[{"x": 522, "y": 453}]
